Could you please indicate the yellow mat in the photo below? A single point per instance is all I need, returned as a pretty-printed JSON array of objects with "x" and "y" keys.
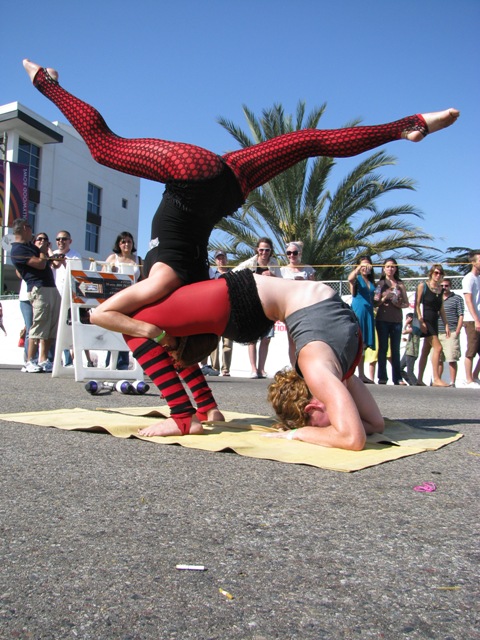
[{"x": 244, "y": 434}]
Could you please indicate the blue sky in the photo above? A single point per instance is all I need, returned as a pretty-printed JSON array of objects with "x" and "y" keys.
[{"x": 169, "y": 69}]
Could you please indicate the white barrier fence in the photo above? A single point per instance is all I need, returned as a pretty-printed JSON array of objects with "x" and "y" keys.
[{"x": 277, "y": 358}]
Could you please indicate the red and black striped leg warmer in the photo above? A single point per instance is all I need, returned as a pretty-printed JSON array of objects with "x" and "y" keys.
[
  {"x": 256, "y": 165},
  {"x": 152, "y": 158},
  {"x": 158, "y": 365},
  {"x": 201, "y": 392}
]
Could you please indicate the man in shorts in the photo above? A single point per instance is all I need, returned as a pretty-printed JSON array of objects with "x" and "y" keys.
[
  {"x": 34, "y": 267},
  {"x": 454, "y": 311},
  {"x": 471, "y": 321}
]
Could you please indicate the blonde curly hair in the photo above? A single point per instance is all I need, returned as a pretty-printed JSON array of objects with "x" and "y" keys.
[{"x": 289, "y": 395}]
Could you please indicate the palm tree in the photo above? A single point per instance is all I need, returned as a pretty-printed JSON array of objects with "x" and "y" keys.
[
  {"x": 459, "y": 259},
  {"x": 335, "y": 227}
]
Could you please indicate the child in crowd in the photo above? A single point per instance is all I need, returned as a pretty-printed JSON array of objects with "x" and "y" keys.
[{"x": 411, "y": 351}]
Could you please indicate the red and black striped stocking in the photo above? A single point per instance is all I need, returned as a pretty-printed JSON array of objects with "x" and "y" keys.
[
  {"x": 158, "y": 365},
  {"x": 202, "y": 394}
]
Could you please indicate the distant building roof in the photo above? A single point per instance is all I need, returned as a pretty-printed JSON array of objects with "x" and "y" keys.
[{"x": 15, "y": 116}]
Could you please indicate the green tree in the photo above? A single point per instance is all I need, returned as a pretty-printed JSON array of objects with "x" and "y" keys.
[
  {"x": 298, "y": 205},
  {"x": 458, "y": 260}
]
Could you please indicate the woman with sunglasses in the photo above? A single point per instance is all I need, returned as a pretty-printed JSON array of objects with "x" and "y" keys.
[
  {"x": 262, "y": 263},
  {"x": 295, "y": 270},
  {"x": 428, "y": 306}
]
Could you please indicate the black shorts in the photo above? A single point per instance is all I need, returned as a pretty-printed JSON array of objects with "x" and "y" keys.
[{"x": 184, "y": 220}]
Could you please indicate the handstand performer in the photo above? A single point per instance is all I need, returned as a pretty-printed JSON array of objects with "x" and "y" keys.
[{"x": 201, "y": 188}]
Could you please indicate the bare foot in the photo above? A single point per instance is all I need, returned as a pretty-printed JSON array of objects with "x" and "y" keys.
[
  {"x": 435, "y": 121},
  {"x": 440, "y": 383},
  {"x": 31, "y": 68},
  {"x": 169, "y": 427},
  {"x": 213, "y": 415}
]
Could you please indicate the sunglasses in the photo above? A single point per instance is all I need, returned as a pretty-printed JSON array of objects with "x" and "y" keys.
[
  {"x": 264, "y": 250},
  {"x": 446, "y": 286},
  {"x": 62, "y": 239},
  {"x": 438, "y": 273},
  {"x": 292, "y": 253},
  {"x": 41, "y": 239}
]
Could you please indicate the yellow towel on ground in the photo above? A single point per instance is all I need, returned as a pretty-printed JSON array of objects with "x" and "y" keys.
[{"x": 244, "y": 434}]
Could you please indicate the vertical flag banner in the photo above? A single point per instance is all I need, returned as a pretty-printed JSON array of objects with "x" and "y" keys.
[{"x": 13, "y": 192}]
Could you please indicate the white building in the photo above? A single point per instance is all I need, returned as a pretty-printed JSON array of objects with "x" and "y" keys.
[{"x": 67, "y": 188}]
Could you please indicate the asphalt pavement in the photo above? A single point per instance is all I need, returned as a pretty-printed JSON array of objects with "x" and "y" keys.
[{"x": 94, "y": 526}]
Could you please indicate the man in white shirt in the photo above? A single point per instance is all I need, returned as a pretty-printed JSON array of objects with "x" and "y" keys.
[
  {"x": 471, "y": 321},
  {"x": 64, "y": 247},
  {"x": 64, "y": 242}
]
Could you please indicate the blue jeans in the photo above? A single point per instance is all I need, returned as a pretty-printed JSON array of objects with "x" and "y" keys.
[
  {"x": 123, "y": 360},
  {"x": 389, "y": 331},
  {"x": 27, "y": 313}
]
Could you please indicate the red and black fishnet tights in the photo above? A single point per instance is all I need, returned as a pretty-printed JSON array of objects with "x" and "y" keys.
[
  {"x": 162, "y": 161},
  {"x": 157, "y": 364}
]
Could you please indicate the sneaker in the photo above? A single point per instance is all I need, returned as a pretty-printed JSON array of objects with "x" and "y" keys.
[
  {"x": 24, "y": 369},
  {"x": 31, "y": 367},
  {"x": 46, "y": 366},
  {"x": 471, "y": 385}
]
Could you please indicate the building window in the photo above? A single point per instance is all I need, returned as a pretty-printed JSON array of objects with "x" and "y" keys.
[
  {"x": 124, "y": 203},
  {"x": 29, "y": 155},
  {"x": 94, "y": 198},
  {"x": 91, "y": 237},
  {"x": 94, "y": 218}
]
